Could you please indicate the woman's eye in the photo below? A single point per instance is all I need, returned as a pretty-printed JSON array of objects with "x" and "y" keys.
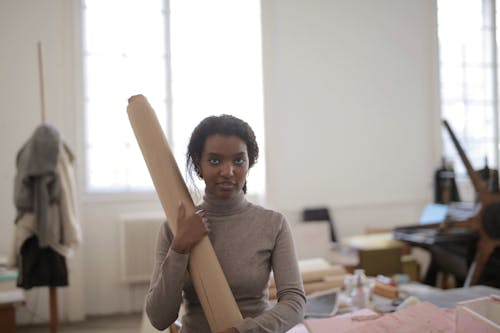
[
  {"x": 239, "y": 161},
  {"x": 213, "y": 161}
]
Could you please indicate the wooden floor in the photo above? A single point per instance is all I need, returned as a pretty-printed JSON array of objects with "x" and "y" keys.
[{"x": 102, "y": 324}]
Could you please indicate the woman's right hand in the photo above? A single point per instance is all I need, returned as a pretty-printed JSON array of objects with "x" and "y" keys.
[{"x": 190, "y": 230}]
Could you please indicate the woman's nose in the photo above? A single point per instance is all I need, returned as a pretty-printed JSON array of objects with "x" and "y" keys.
[{"x": 227, "y": 169}]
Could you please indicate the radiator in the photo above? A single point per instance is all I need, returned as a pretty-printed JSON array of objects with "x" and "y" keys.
[{"x": 138, "y": 235}]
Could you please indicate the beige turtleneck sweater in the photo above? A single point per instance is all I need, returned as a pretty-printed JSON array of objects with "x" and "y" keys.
[{"x": 249, "y": 241}]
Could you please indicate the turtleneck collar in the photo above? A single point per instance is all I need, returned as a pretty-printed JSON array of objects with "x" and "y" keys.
[{"x": 224, "y": 207}]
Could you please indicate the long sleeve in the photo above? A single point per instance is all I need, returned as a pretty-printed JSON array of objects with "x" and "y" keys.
[
  {"x": 289, "y": 310},
  {"x": 165, "y": 293},
  {"x": 249, "y": 242}
]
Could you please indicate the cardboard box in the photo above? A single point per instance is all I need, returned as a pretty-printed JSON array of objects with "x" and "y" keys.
[
  {"x": 479, "y": 315},
  {"x": 378, "y": 253}
]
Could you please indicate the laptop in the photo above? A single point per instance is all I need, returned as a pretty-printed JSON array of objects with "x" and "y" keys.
[{"x": 433, "y": 213}]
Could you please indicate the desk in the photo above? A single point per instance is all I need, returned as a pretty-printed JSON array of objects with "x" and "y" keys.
[
  {"x": 8, "y": 300},
  {"x": 435, "y": 313},
  {"x": 10, "y": 295},
  {"x": 452, "y": 250}
]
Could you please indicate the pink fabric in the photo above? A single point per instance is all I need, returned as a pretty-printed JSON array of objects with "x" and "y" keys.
[{"x": 422, "y": 317}]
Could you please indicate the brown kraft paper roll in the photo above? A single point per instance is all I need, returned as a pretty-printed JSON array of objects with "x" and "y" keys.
[{"x": 211, "y": 286}]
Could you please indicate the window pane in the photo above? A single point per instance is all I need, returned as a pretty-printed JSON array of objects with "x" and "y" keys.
[
  {"x": 467, "y": 80},
  {"x": 480, "y": 123},
  {"x": 131, "y": 27},
  {"x": 217, "y": 70},
  {"x": 125, "y": 55}
]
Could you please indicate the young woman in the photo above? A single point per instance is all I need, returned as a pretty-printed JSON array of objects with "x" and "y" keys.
[{"x": 249, "y": 240}]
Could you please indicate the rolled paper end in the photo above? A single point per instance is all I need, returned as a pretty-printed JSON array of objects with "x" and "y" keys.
[{"x": 138, "y": 99}]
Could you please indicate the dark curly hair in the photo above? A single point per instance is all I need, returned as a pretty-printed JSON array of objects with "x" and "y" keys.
[{"x": 224, "y": 125}]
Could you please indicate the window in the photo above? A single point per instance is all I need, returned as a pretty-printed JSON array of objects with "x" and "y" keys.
[
  {"x": 215, "y": 68},
  {"x": 468, "y": 70},
  {"x": 123, "y": 57}
]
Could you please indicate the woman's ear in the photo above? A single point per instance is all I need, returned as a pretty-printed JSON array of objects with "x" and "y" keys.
[{"x": 198, "y": 170}]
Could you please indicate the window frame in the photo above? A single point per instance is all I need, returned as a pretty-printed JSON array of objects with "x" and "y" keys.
[{"x": 491, "y": 140}]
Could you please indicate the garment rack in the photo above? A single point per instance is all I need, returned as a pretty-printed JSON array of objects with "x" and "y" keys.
[{"x": 54, "y": 320}]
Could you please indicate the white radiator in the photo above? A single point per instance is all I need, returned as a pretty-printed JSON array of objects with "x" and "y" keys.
[{"x": 138, "y": 235}]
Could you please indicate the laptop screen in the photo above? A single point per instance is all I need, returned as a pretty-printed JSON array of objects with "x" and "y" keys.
[{"x": 434, "y": 213}]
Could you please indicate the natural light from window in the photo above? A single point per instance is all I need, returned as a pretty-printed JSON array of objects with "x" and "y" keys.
[
  {"x": 468, "y": 80},
  {"x": 216, "y": 68},
  {"x": 120, "y": 62}
]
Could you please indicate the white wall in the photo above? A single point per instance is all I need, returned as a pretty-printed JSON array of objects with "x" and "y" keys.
[
  {"x": 22, "y": 25},
  {"x": 351, "y": 107},
  {"x": 351, "y": 112}
]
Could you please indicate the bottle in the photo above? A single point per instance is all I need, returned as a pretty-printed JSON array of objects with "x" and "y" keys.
[{"x": 360, "y": 292}]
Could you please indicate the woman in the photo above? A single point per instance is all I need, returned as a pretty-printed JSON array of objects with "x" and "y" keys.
[{"x": 249, "y": 240}]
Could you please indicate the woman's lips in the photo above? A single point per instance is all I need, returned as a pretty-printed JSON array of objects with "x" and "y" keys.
[{"x": 226, "y": 185}]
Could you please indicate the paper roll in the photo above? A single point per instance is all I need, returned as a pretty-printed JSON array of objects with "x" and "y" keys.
[{"x": 211, "y": 286}]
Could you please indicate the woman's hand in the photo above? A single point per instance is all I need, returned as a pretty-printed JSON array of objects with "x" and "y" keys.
[{"x": 190, "y": 230}]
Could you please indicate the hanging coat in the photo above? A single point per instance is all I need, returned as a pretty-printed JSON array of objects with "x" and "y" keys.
[{"x": 46, "y": 225}]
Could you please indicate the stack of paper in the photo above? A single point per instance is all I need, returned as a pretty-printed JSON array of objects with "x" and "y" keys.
[{"x": 317, "y": 275}]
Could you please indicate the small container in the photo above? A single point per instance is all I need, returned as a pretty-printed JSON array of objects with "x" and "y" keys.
[
  {"x": 348, "y": 284},
  {"x": 360, "y": 291}
]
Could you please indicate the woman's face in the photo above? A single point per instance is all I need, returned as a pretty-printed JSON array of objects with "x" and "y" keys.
[{"x": 224, "y": 165}]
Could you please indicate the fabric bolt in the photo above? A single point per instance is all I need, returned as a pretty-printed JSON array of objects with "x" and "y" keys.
[{"x": 249, "y": 241}]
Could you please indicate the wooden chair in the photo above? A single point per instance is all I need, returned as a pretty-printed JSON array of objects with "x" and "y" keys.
[{"x": 485, "y": 222}]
